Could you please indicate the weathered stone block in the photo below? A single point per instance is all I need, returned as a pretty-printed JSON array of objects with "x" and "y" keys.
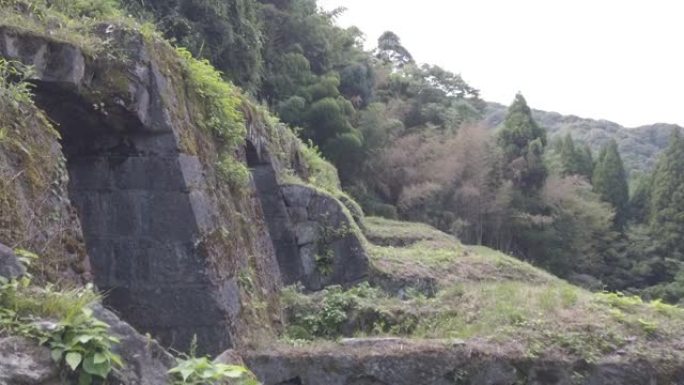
[
  {"x": 297, "y": 195},
  {"x": 10, "y": 266}
]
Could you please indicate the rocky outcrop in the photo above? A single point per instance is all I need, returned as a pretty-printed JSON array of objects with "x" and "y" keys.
[
  {"x": 402, "y": 362},
  {"x": 10, "y": 266}
]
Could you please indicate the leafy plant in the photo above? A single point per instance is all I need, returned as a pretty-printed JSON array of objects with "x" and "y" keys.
[
  {"x": 325, "y": 260},
  {"x": 84, "y": 346},
  {"x": 201, "y": 371}
]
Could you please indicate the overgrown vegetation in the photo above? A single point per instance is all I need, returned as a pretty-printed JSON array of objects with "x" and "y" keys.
[
  {"x": 15, "y": 91},
  {"x": 66, "y": 20},
  {"x": 222, "y": 114},
  {"x": 32, "y": 169},
  {"x": 202, "y": 371}
]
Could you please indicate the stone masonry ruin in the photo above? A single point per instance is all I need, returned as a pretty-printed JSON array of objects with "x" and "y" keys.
[
  {"x": 140, "y": 201},
  {"x": 149, "y": 210}
]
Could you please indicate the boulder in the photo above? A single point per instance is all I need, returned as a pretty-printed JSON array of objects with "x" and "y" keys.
[
  {"x": 145, "y": 361},
  {"x": 229, "y": 357},
  {"x": 23, "y": 362},
  {"x": 10, "y": 265}
]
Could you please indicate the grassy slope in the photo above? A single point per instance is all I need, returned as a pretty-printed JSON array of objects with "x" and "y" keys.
[{"x": 489, "y": 297}]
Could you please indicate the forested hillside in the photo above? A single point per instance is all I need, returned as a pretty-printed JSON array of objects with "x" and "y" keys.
[{"x": 639, "y": 146}]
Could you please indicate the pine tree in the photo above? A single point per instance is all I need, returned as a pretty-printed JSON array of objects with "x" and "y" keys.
[
  {"x": 522, "y": 141},
  {"x": 569, "y": 157},
  {"x": 610, "y": 182},
  {"x": 575, "y": 160},
  {"x": 586, "y": 161},
  {"x": 667, "y": 199},
  {"x": 640, "y": 199}
]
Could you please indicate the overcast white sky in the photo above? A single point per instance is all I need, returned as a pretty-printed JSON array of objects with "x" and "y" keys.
[{"x": 621, "y": 60}]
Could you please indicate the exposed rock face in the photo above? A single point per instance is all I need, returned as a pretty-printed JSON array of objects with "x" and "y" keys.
[
  {"x": 10, "y": 266},
  {"x": 396, "y": 362},
  {"x": 152, "y": 210}
]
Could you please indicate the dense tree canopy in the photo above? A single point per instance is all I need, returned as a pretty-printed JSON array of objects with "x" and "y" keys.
[{"x": 225, "y": 32}]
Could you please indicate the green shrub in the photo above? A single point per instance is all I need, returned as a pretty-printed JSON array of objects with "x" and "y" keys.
[
  {"x": 220, "y": 99},
  {"x": 232, "y": 171},
  {"x": 324, "y": 316},
  {"x": 322, "y": 173},
  {"x": 202, "y": 371},
  {"x": 95, "y": 9},
  {"x": 98, "y": 9},
  {"x": 383, "y": 210},
  {"x": 15, "y": 90}
]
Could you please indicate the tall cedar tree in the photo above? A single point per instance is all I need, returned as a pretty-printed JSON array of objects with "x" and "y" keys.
[
  {"x": 667, "y": 201},
  {"x": 610, "y": 182},
  {"x": 586, "y": 159},
  {"x": 522, "y": 141},
  {"x": 640, "y": 199},
  {"x": 568, "y": 155}
]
